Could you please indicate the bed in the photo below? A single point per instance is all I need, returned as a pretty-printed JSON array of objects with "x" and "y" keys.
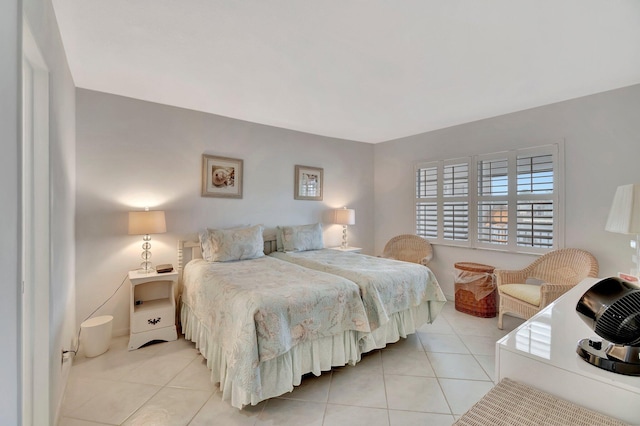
[
  {"x": 263, "y": 323},
  {"x": 398, "y": 296}
]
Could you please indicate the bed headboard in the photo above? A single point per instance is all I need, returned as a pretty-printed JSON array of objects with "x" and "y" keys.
[{"x": 190, "y": 249}]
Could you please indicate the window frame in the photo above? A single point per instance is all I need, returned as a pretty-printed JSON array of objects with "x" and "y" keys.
[{"x": 473, "y": 198}]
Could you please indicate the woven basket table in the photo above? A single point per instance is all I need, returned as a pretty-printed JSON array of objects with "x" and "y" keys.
[
  {"x": 473, "y": 279},
  {"x": 511, "y": 403}
]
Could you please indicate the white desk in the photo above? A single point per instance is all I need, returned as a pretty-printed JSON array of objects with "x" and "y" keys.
[{"x": 542, "y": 353}]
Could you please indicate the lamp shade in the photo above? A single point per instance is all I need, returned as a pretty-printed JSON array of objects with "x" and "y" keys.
[
  {"x": 147, "y": 222},
  {"x": 624, "y": 216},
  {"x": 344, "y": 216}
]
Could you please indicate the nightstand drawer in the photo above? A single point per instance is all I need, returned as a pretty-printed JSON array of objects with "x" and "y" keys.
[{"x": 152, "y": 314}]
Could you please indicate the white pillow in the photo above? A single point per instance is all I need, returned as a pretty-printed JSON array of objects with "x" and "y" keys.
[
  {"x": 233, "y": 244},
  {"x": 302, "y": 238}
]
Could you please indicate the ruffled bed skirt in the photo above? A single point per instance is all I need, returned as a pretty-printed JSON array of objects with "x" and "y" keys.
[
  {"x": 279, "y": 375},
  {"x": 401, "y": 324}
]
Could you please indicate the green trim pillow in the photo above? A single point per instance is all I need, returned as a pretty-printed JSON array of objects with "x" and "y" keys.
[
  {"x": 302, "y": 237},
  {"x": 223, "y": 245}
]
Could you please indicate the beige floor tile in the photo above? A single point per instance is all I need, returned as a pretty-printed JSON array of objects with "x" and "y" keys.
[
  {"x": 112, "y": 365},
  {"x": 114, "y": 403},
  {"x": 415, "y": 394},
  {"x": 340, "y": 415},
  {"x": 480, "y": 345},
  {"x": 159, "y": 370},
  {"x": 289, "y": 412},
  {"x": 406, "y": 363},
  {"x": 488, "y": 364},
  {"x": 440, "y": 325},
  {"x": 218, "y": 412},
  {"x": 357, "y": 387},
  {"x": 411, "y": 343},
  {"x": 457, "y": 366},
  {"x": 79, "y": 391},
  {"x": 196, "y": 375},
  {"x": 462, "y": 394},
  {"x": 169, "y": 407},
  {"x": 67, "y": 421},
  {"x": 412, "y": 418},
  {"x": 449, "y": 343}
]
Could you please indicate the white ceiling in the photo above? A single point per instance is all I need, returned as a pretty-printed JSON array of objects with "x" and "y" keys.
[{"x": 368, "y": 71}]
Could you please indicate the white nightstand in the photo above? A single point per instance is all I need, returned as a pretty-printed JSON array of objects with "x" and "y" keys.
[
  {"x": 348, "y": 249},
  {"x": 152, "y": 308}
]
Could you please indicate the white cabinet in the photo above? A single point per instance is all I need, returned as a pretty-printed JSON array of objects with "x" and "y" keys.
[{"x": 152, "y": 308}]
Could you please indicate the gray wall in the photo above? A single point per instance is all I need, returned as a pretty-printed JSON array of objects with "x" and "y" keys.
[
  {"x": 10, "y": 52},
  {"x": 132, "y": 154},
  {"x": 601, "y": 136}
]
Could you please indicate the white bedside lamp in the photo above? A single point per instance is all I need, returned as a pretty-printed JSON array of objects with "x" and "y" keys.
[
  {"x": 146, "y": 223},
  {"x": 344, "y": 217},
  {"x": 624, "y": 217}
]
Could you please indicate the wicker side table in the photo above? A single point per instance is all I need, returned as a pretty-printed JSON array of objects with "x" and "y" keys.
[{"x": 475, "y": 289}]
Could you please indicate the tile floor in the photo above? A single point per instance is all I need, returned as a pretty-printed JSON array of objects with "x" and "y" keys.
[{"x": 431, "y": 377}]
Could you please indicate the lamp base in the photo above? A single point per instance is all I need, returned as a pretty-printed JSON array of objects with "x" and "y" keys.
[
  {"x": 147, "y": 271},
  {"x": 344, "y": 244}
]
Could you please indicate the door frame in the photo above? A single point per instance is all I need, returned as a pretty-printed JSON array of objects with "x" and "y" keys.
[{"x": 36, "y": 236}]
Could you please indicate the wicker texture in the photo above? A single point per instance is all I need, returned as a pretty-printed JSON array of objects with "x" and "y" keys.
[
  {"x": 475, "y": 292},
  {"x": 408, "y": 248},
  {"x": 558, "y": 270},
  {"x": 511, "y": 403}
]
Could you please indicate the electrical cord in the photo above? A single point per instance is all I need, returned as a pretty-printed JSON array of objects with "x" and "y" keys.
[{"x": 75, "y": 351}]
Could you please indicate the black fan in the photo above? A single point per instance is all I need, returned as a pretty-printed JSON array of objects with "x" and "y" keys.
[{"x": 612, "y": 309}]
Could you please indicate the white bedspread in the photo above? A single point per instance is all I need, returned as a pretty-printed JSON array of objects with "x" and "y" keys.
[
  {"x": 256, "y": 310},
  {"x": 387, "y": 286}
]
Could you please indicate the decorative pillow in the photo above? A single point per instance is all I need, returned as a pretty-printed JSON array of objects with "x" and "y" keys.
[
  {"x": 205, "y": 245},
  {"x": 205, "y": 242},
  {"x": 302, "y": 238},
  {"x": 235, "y": 244}
]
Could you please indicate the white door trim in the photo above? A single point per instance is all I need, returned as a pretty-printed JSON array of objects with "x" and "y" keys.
[{"x": 36, "y": 255}]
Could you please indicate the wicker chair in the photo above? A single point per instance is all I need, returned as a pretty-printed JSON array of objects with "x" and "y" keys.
[
  {"x": 409, "y": 248},
  {"x": 558, "y": 271}
]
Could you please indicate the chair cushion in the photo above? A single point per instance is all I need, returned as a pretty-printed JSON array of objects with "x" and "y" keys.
[{"x": 529, "y": 293}]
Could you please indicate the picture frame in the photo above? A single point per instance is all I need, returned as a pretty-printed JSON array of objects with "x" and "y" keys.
[
  {"x": 309, "y": 183},
  {"x": 221, "y": 176}
]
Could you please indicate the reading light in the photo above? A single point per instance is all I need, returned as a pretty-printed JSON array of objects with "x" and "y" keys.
[
  {"x": 146, "y": 223},
  {"x": 344, "y": 217},
  {"x": 624, "y": 217}
]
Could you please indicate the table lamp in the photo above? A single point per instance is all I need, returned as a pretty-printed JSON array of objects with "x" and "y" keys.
[
  {"x": 146, "y": 223},
  {"x": 344, "y": 217}
]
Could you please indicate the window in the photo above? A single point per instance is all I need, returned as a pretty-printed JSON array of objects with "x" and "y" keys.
[{"x": 505, "y": 201}]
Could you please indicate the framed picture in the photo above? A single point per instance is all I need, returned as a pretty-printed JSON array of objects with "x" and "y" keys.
[
  {"x": 221, "y": 177},
  {"x": 308, "y": 183}
]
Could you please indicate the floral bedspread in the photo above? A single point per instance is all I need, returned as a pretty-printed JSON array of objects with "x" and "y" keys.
[
  {"x": 258, "y": 309},
  {"x": 387, "y": 286}
]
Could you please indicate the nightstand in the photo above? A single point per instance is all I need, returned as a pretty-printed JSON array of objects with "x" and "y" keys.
[
  {"x": 152, "y": 308},
  {"x": 348, "y": 249}
]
